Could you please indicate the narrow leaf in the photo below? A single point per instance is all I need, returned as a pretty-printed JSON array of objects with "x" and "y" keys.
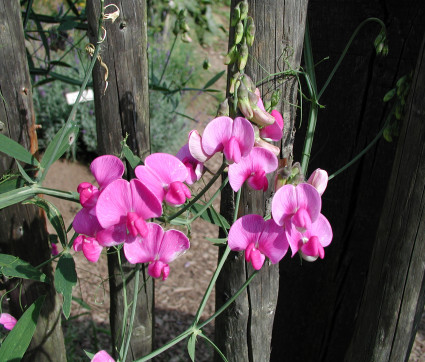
[
  {"x": 55, "y": 149},
  {"x": 81, "y": 302},
  {"x": 15, "y": 196},
  {"x": 15, "y": 150},
  {"x": 217, "y": 241},
  {"x": 54, "y": 216},
  {"x": 19, "y": 338},
  {"x": 89, "y": 354},
  {"x": 210, "y": 215},
  {"x": 11, "y": 182},
  {"x": 132, "y": 159},
  {"x": 65, "y": 279},
  {"x": 24, "y": 173},
  {"x": 12, "y": 266},
  {"x": 191, "y": 343},
  {"x": 68, "y": 25},
  {"x": 214, "y": 79}
]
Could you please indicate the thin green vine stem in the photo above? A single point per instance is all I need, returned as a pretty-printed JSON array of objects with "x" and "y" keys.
[
  {"x": 168, "y": 59},
  {"x": 221, "y": 354},
  {"x": 197, "y": 197},
  {"x": 133, "y": 311},
  {"x": 125, "y": 302}
]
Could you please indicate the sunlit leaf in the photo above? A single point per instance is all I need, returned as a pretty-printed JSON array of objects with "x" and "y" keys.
[
  {"x": 15, "y": 150},
  {"x": 12, "y": 266},
  {"x": 65, "y": 279}
]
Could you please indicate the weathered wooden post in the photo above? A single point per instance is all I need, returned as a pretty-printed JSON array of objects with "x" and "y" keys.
[
  {"x": 394, "y": 294},
  {"x": 123, "y": 109},
  {"x": 23, "y": 229},
  {"x": 243, "y": 332}
]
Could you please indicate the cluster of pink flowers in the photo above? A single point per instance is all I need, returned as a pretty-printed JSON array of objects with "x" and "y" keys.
[{"x": 117, "y": 211}]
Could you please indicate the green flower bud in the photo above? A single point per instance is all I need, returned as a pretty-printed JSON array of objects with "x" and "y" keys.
[
  {"x": 243, "y": 56},
  {"x": 250, "y": 31},
  {"x": 244, "y": 9},
  {"x": 236, "y": 15},
  {"x": 232, "y": 55},
  {"x": 223, "y": 109},
  {"x": 238, "y": 32},
  {"x": 186, "y": 38},
  {"x": 277, "y": 94},
  {"x": 206, "y": 64},
  {"x": 243, "y": 101},
  {"x": 248, "y": 83},
  {"x": 234, "y": 82}
]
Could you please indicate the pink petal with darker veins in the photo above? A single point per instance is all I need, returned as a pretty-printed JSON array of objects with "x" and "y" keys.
[
  {"x": 243, "y": 131},
  {"x": 106, "y": 169},
  {"x": 274, "y": 131},
  {"x": 85, "y": 222},
  {"x": 216, "y": 134},
  {"x": 151, "y": 180},
  {"x": 91, "y": 249},
  {"x": 195, "y": 146},
  {"x": 167, "y": 167}
]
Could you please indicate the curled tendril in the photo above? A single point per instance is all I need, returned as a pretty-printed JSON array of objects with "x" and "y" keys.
[
  {"x": 90, "y": 50},
  {"x": 112, "y": 16}
]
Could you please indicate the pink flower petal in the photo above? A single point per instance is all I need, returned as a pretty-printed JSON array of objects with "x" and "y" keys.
[
  {"x": 244, "y": 231},
  {"x": 319, "y": 179},
  {"x": 143, "y": 201},
  {"x": 85, "y": 222},
  {"x": 232, "y": 150},
  {"x": 157, "y": 269},
  {"x": 167, "y": 167},
  {"x": 173, "y": 244},
  {"x": 8, "y": 321},
  {"x": 273, "y": 241},
  {"x": 216, "y": 134},
  {"x": 151, "y": 180},
  {"x": 106, "y": 169},
  {"x": 195, "y": 146},
  {"x": 274, "y": 131},
  {"x": 323, "y": 230},
  {"x": 193, "y": 166},
  {"x": 135, "y": 252},
  {"x": 112, "y": 236},
  {"x": 92, "y": 249},
  {"x": 177, "y": 193},
  {"x": 243, "y": 131},
  {"x": 102, "y": 356}
]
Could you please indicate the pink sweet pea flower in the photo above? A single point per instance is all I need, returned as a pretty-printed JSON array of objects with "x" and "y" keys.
[
  {"x": 7, "y": 321},
  {"x": 89, "y": 246},
  {"x": 55, "y": 250},
  {"x": 193, "y": 166},
  {"x": 253, "y": 169},
  {"x": 195, "y": 147},
  {"x": 259, "y": 239},
  {"x": 102, "y": 356},
  {"x": 319, "y": 179},
  {"x": 273, "y": 132},
  {"x": 122, "y": 209},
  {"x": 310, "y": 244},
  {"x": 234, "y": 137},
  {"x": 158, "y": 248},
  {"x": 164, "y": 175},
  {"x": 298, "y": 205}
]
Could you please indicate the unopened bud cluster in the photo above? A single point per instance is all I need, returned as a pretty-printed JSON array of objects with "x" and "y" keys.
[
  {"x": 244, "y": 36},
  {"x": 181, "y": 27}
]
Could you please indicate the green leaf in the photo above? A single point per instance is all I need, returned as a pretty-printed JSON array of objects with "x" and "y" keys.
[
  {"x": 55, "y": 150},
  {"x": 191, "y": 344},
  {"x": 89, "y": 354},
  {"x": 19, "y": 338},
  {"x": 65, "y": 279},
  {"x": 210, "y": 215},
  {"x": 68, "y": 25},
  {"x": 54, "y": 216},
  {"x": 389, "y": 95},
  {"x": 132, "y": 159},
  {"x": 213, "y": 79},
  {"x": 61, "y": 64},
  {"x": 11, "y": 182},
  {"x": 12, "y": 266},
  {"x": 15, "y": 196},
  {"x": 218, "y": 241},
  {"x": 81, "y": 302},
  {"x": 24, "y": 173},
  {"x": 15, "y": 150},
  {"x": 179, "y": 221}
]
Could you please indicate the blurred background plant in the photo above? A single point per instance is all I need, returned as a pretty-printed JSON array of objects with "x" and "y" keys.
[{"x": 55, "y": 34}]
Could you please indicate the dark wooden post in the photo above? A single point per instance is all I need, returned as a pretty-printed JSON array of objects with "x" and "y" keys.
[
  {"x": 120, "y": 110},
  {"x": 23, "y": 229},
  {"x": 318, "y": 302},
  {"x": 394, "y": 295},
  {"x": 243, "y": 332}
]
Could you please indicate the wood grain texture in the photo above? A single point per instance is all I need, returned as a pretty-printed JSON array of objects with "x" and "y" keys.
[
  {"x": 23, "y": 229},
  {"x": 394, "y": 292},
  {"x": 244, "y": 331},
  {"x": 318, "y": 302},
  {"x": 123, "y": 109}
]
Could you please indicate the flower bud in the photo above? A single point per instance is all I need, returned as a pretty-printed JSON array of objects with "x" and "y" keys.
[
  {"x": 223, "y": 109},
  {"x": 206, "y": 64},
  {"x": 243, "y": 101},
  {"x": 250, "y": 31},
  {"x": 319, "y": 179},
  {"x": 238, "y": 32},
  {"x": 236, "y": 15},
  {"x": 186, "y": 38},
  {"x": 244, "y": 9},
  {"x": 243, "y": 56},
  {"x": 260, "y": 117},
  {"x": 232, "y": 55},
  {"x": 234, "y": 83},
  {"x": 248, "y": 83}
]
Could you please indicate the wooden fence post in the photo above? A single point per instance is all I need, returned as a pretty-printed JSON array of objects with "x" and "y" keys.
[
  {"x": 23, "y": 230},
  {"x": 243, "y": 331},
  {"x": 123, "y": 109}
]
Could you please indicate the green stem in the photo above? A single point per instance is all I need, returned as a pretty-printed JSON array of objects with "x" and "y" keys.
[
  {"x": 223, "y": 357},
  {"x": 197, "y": 197},
  {"x": 124, "y": 292},
  {"x": 51, "y": 259},
  {"x": 133, "y": 311},
  {"x": 64, "y": 195},
  {"x": 168, "y": 59}
]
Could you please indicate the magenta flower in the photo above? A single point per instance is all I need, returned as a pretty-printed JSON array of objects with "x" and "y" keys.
[
  {"x": 55, "y": 250},
  {"x": 158, "y": 248},
  {"x": 122, "y": 209},
  {"x": 234, "y": 137},
  {"x": 273, "y": 132},
  {"x": 164, "y": 175},
  {"x": 195, "y": 147},
  {"x": 89, "y": 246},
  {"x": 8, "y": 321},
  {"x": 253, "y": 169},
  {"x": 102, "y": 356},
  {"x": 310, "y": 244},
  {"x": 259, "y": 239},
  {"x": 193, "y": 166},
  {"x": 298, "y": 205},
  {"x": 319, "y": 179}
]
